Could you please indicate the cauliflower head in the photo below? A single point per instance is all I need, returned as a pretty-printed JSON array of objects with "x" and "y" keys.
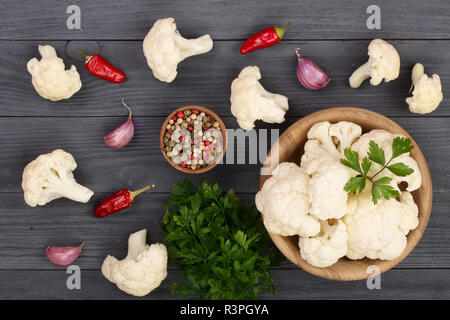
[
  {"x": 379, "y": 231},
  {"x": 283, "y": 201},
  {"x": 50, "y": 177},
  {"x": 384, "y": 63},
  {"x": 326, "y": 248},
  {"x": 251, "y": 102},
  {"x": 427, "y": 94},
  {"x": 143, "y": 269},
  {"x": 321, "y": 161},
  {"x": 49, "y": 77},
  {"x": 384, "y": 139},
  {"x": 164, "y": 48}
]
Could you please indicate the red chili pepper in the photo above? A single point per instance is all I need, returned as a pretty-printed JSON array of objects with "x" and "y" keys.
[
  {"x": 100, "y": 67},
  {"x": 263, "y": 39},
  {"x": 120, "y": 200}
]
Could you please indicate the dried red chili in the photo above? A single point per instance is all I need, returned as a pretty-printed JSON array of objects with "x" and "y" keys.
[
  {"x": 263, "y": 39},
  {"x": 100, "y": 67},
  {"x": 120, "y": 200}
]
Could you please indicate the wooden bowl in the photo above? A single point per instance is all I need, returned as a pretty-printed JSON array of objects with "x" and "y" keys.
[
  {"x": 223, "y": 130},
  {"x": 290, "y": 146}
]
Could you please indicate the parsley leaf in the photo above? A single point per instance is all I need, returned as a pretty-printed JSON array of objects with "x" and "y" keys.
[
  {"x": 376, "y": 154},
  {"x": 366, "y": 165},
  {"x": 401, "y": 145},
  {"x": 355, "y": 183},
  {"x": 220, "y": 242},
  {"x": 381, "y": 187},
  {"x": 351, "y": 160},
  {"x": 400, "y": 169}
]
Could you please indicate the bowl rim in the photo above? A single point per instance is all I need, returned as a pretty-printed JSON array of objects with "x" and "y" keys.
[
  {"x": 413, "y": 237},
  {"x": 207, "y": 111}
]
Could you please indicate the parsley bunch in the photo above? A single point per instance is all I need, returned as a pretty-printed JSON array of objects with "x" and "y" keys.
[
  {"x": 220, "y": 242},
  {"x": 381, "y": 186}
]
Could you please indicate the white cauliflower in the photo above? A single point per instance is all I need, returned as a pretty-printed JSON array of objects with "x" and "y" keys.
[
  {"x": 321, "y": 162},
  {"x": 49, "y": 77},
  {"x": 143, "y": 269},
  {"x": 283, "y": 201},
  {"x": 384, "y": 139},
  {"x": 384, "y": 63},
  {"x": 326, "y": 192},
  {"x": 326, "y": 248},
  {"x": 164, "y": 48},
  {"x": 427, "y": 94},
  {"x": 379, "y": 231},
  {"x": 50, "y": 177},
  {"x": 251, "y": 102},
  {"x": 331, "y": 139}
]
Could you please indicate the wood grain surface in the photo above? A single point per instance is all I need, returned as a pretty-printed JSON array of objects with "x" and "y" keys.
[{"x": 332, "y": 33}]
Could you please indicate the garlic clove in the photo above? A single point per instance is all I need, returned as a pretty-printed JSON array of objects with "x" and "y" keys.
[
  {"x": 309, "y": 74},
  {"x": 121, "y": 136},
  {"x": 63, "y": 256}
]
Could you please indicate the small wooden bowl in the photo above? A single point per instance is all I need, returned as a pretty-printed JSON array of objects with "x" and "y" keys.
[
  {"x": 290, "y": 146},
  {"x": 208, "y": 112}
]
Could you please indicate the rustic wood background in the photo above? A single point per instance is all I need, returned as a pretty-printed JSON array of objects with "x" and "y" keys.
[{"x": 333, "y": 33}]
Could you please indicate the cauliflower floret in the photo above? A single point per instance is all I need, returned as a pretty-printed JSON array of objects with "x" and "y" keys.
[
  {"x": 50, "y": 177},
  {"x": 325, "y": 190},
  {"x": 379, "y": 231},
  {"x": 384, "y": 62},
  {"x": 427, "y": 94},
  {"x": 284, "y": 203},
  {"x": 384, "y": 140},
  {"x": 164, "y": 48},
  {"x": 251, "y": 102},
  {"x": 327, "y": 247},
  {"x": 49, "y": 77},
  {"x": 143, "y": 269},
  {"x": 331, "y": 139},
  {"x": 321, "y": 162}
]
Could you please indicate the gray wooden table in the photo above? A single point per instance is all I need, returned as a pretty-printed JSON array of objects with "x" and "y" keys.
[{"x": 333, "y": 33}]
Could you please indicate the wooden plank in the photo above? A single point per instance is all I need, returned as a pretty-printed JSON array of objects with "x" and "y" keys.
[
  {"x": 141, "y": 162},
  {"x": 105, "y": 19},
  {"x": 25, "y": 232},
  {"x": 205, "y": 80},
  {"x": 291, "y": 284}
]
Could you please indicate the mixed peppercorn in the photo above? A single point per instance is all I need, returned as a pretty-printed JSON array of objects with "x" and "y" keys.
[{"x": 193, "y": 139}]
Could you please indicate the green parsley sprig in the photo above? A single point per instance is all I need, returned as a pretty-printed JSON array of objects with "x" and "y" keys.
[
  {"x": 381, "y": 186},
  {"x": 220, "y": 242}
]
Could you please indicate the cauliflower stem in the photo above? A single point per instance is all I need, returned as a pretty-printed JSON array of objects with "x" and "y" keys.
[
  {"x": 137, "y": 243},
  {"x": 192, "y": 47},
  {"x": 62, "y": 182},
  {"x": 360, "y": 75}
]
